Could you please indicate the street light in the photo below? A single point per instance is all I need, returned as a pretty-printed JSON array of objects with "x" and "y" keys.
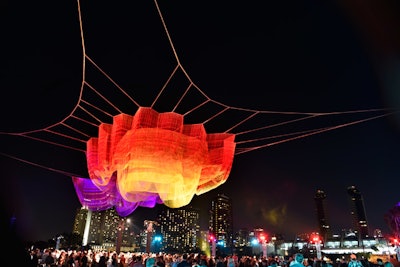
[
  {"x": 396, "y": 243},
  {"x": 213, "y": 241},
  {"x": 315, "y": 238},
  {"x": 120, "y": 230},
  {"x": 264, "y": 240},
  {"x": 273, "y": 239},
  {"x": 149, "y": 229}
]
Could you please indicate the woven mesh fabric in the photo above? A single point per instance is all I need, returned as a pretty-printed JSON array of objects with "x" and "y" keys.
[{"x": 157, "y": 158}]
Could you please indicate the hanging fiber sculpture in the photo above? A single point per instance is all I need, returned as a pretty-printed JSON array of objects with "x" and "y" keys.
[{"x": 154, "y": 158}]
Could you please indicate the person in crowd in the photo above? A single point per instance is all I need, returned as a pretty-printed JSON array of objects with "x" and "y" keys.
[
  {"x": 307, "y": 263},
  {"x": 114, "y": 260},
  {"x": 102, "y": 261},
  {"x": 273, "y": 263},
  {"x": 138, "y": 261},
  {"x": 297, "y": 260},
  {"x": 184, "y": 262},
  {"x": 150, "y": 261},
  {"x": 33, "y": 259},
  {"x": 220, "y": 262},
  {"x": 62, "y": 259},
  {"x": 84, "y": 259},
  {"x": 354, "y": 262},
  {"x": 49, "y": 260},
  {"x": 122, "y": 260},
  {"x": 379, "y": 262},
  {"x": 341, "y": 262},
  {"x": 160, "y": 262},
  {"x": 71, "y": 260}
]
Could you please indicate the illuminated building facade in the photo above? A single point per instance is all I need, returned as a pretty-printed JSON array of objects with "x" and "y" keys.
[
  {"x": 358, "y": 212},
  {"x": 180, "y": 229},
  {"x": 242, "y": 238},
  {"x": 80, "y": 221},
  {"x": 220, "y": 224},
  {"x": 320, "y": 204},
  {"x": 103, "y": 228}
]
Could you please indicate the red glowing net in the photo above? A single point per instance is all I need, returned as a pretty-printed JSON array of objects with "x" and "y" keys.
[{"x": 155, "y": 155}]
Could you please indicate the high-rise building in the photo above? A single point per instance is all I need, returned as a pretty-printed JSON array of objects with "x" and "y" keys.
[
  {"x": 80, "y": 221},
  {"x": 358, "y": 212},
  {"x": 242, "y": 238},
  {"x": 103, "y": 228},
  {"x": 323, "y": 224},
  {"x": 180, "y": 229},
  {"x": 220, "y": 224}
]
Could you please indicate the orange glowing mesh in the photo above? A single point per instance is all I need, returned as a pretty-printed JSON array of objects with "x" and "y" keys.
[{"x": 155, "y": 153}]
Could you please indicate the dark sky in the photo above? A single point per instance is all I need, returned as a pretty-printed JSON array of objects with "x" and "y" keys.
[{"x": 303, "y": 56}]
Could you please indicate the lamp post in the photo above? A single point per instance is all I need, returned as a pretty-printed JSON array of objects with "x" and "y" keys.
[
  {"x": 149, "y": 229},
  {"x": 274, "y": 243},
  {"x": 120, "y": 231},
  {"x": 396, "y": 247},
  {"x": 213, "y": 241},
  {"x": 263, "y": 239},
  {"x": 315, "y": 238}
]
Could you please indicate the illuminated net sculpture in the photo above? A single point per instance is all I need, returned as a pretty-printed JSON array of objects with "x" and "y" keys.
[
  {"x": 97, "y": 199},
  {"x": 153, "y": 158}
]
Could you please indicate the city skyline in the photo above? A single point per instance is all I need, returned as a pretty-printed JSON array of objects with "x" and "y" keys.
[
  {"x": 206, "y": 215},
  {"x": 185, "y": 232}
]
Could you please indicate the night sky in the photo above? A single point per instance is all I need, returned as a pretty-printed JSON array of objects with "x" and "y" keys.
[{"x": 303, "y": 56}]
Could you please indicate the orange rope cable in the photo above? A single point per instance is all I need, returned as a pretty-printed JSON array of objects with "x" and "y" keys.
[
  {"x": 174, "y": 50},
  {"x": 167, "y": 32},
  {"x": 277, "y": 136},
  {"x": 317, "y": 132},
  {"x": 201, "y": 92},
  {"x": 243, "y": 121},
  {"x": 216, "y": 115},
  {"x": 75, "y": 130},
  {"x": 64, "y": 135},
  {"x": 41, "y": 166},
  {"x": 83, "y": 120},
  {"x": 73, "y": 114},
  {"x": 165, "y": 85},
  {"x": 196, "y": 107},
  {"x": 182, "y": 97},
  {"x": 90, "y": 114},
  {"x": 276, "y": 124},
  {"x": 102, "y": 97},
  {"x": 111, "y": 80},
  {"x": 97, "y": 108},
  {"x": 54, "y": 143}
]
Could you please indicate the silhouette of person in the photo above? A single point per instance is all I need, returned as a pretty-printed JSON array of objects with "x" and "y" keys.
[{"x": 297, "y": 260}]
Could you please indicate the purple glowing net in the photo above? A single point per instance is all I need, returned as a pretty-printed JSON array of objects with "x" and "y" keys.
[{"x": 97, "y": 198}]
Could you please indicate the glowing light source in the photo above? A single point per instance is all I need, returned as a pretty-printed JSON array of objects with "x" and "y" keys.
[{"x": 156, "y": 156}]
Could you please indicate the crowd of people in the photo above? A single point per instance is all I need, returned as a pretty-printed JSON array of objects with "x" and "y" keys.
[{"x": 62, "y": 258}]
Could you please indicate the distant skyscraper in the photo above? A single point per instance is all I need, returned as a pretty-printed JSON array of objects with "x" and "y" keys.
[
  {"x": 80, "y": 221},
  {"x": 221, "y": 225},
  {"x": 324, "y": 227},
  {"x": 103, "y": 227},
  {"x": 358, "y": 212},
  {"x": 180, "y": 228},
  {"x": 242, "y": 238}
]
